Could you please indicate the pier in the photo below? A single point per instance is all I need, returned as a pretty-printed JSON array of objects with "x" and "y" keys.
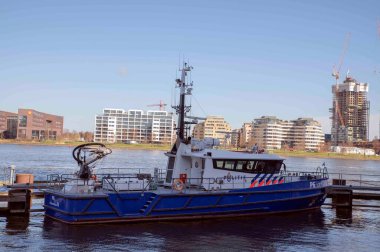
[
  {"x": 343, "y": 190},
  {"x": 18, "y": 201}
]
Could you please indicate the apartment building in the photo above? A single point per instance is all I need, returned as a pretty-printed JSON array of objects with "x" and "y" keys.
[
  {"x": 35, "y": 125},
  {"x": 214, "y": 127},
  {"x": 350, "y": 112},
  {"x": 267, "y": 132},
  {"x": 235, "y": 137},
  {"x": 271, "y": 133},
  {"x": 245, "y": 135},
  {"x": 120, "y": 126}
]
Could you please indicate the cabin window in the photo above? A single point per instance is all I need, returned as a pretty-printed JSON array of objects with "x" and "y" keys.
[
  {"x": 229, "y": 164},
  {"x": 218, "y": 164},
  {"x": 249, "y": 166},
  {"x": 241, "y": 165}
]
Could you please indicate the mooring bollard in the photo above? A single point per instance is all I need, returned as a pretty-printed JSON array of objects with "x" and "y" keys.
[
  {"x": 19, "y": 201},
  {"x": 342, "y": 198},
  {"x": 27, "y": 179},
  {"x": 339, "y": 182}
]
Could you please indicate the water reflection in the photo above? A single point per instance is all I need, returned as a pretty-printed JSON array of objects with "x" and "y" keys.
[
  {"x": 16, "y": 223},
  {"x": 344, "y": 215},
  {"x": 260, "y": 232},
  {"x": 322, "y": 230}
]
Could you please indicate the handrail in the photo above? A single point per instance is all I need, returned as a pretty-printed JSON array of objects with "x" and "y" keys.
[
  {"x": 243, "y": 182},
  {"x": 149, "y": 183}
]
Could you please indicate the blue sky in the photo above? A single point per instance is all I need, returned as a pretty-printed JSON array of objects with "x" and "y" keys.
[{"x": 250, "y": 58}]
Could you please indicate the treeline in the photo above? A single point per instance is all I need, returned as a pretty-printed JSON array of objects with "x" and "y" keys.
[
  {"x": 75, "y": 136},
  {"x": 376, "y": 145}
]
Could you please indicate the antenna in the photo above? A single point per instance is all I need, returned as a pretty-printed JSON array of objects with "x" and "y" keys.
[{"x": 179, "y": 62}]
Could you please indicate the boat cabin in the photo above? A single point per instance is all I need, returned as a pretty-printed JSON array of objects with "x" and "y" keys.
[{"x": 214, "y": 169}]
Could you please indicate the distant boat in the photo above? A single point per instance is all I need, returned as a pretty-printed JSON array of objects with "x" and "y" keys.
[{"x": 200, "y": 182}]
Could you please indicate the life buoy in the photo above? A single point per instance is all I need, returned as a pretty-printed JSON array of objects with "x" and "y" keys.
[{"x": 178, "y": 185}]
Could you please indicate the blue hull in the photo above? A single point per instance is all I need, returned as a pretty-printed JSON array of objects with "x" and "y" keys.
[{"x": 147, "y": 206}]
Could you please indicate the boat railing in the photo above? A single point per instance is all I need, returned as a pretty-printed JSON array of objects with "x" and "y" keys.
[
  {"x": 56, "y": 180},
  {"x": 125, "y": 182},
  {"x": 122, "y": 171},
  {"x": 147, "y": 183},
  {"x": 241, "y": 182},
  {"x": 71, "y": 183},
  {"x": 355, "y": 179},
  {"x": 316, "y": 174}
]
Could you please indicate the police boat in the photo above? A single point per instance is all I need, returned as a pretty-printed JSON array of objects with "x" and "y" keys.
[{"x": 200, "y": 181}]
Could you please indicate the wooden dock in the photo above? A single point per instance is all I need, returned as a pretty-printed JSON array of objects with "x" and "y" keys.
[{"x": 343, "y": 195}]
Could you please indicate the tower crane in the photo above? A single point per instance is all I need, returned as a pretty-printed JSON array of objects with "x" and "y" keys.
[
  {"x": 336, "y": 75},
  {"x": 336, "y": 70},
  {"x": 161, "y": 105}
]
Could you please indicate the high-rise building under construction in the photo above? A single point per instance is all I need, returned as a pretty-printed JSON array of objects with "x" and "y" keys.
[{"x": 350, "y": 112}]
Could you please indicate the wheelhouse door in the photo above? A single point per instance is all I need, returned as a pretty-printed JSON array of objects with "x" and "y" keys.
[{"x": 196, "y": 171}]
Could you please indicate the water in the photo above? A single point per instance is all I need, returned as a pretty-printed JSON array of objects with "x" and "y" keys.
[{"x": 321, "y": 230}]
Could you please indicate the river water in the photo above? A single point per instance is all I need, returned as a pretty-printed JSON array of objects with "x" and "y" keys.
[{"x": 322, "y": 230}]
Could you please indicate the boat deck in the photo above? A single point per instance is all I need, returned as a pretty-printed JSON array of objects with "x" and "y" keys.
[{"x": 161, "y": 190}]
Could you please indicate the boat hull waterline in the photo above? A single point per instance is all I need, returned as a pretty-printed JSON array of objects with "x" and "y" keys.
[{"x": 149, "y": 206}]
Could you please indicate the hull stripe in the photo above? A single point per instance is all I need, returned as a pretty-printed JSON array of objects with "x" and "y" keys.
[
  {"x": 254, "y": 181},
  {"x": 262, "y": 180},
  {"x": 269, "y": 179}
]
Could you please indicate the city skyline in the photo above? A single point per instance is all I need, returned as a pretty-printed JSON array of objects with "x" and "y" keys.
[{"x": 250, "y": 59}]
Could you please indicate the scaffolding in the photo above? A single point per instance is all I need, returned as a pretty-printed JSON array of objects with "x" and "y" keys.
[{"x": 350, "y": 112}]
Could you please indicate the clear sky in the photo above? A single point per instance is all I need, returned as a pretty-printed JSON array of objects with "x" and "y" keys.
[{"x": 250, "y": 58}]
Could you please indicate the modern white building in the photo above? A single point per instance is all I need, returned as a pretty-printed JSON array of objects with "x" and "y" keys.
[
  {"x": 120, "y": 126},
  {"x": 271, "y": 133}
]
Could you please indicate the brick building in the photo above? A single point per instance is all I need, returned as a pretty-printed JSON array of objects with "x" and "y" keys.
[{"x": 36, "y": 125}]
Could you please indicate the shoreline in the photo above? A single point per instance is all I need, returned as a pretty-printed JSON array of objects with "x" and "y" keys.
[
  {"x": 159, "y": 147},
  {"x": 73, "y": 144},
  {"x": 328, "y": 155}
]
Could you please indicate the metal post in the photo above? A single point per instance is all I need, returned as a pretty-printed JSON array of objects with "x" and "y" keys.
[{"x": 12, "y": 173}]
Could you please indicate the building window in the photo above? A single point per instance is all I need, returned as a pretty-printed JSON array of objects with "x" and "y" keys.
[{"x": 22, "y": 121}]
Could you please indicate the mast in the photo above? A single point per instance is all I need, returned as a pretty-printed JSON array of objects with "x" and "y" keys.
[{"x": 182, "y": 109}]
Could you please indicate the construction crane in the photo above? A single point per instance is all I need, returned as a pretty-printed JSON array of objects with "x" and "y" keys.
[
  {"x": 378, "y": 32},
  {"x": 336, "y": 69},
  {"x": 336, "y": 75},
  {"x": 161, "y": 105}
]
